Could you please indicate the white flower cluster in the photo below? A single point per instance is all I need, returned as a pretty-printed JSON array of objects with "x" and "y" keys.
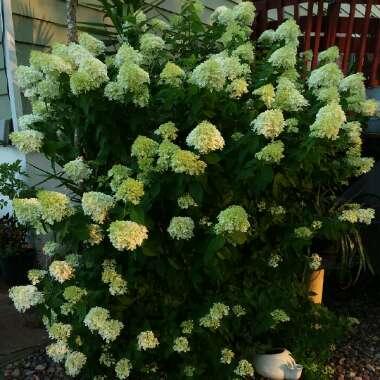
[
  {"x": 213, "y": 319},
  {"x": 127, "y": 235},
  {"x": 355, "y": 214},
  {"x": 146, "y": 340},
  {"x": 27, "y": 141},
  {"x": 315, "y": 261},
  {"x": 123, "y": 368},
  {"x": 77, "y": 170},
  {"x": 206, "y": 138},
  {"x": 97, "y": 205},
  {"x": 181, "y": 344},
  {"x": 74, "y": 363},
  {"x": 98, "y": 319},
  {"x": 24, "y": 297},
  {"x": 117, "y": 285},
  {"x": 61, "y": 271},
  {"x": 181, "y": 228},
  {"x": 232, "y": 219},
  {"x": 269, "y": 123}
]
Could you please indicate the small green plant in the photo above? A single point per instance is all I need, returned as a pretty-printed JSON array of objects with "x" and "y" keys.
[{"x": 11, "y": 182}]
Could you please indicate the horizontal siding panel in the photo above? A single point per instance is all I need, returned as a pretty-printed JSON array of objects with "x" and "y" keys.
[
  {"x": 3, "y": 83},
  {"x": 5, "y": 108},
  {"x": 1, "y": 57},
  {"x": 37, "y": 32},
  {"x": 53, "y": 11},
  {"x": 23, "y": 52}
]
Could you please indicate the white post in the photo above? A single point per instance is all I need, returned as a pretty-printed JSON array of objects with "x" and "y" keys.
[{"x": 9, "y": 46}]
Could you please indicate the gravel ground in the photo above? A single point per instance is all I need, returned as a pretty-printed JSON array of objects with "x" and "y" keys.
[
  {"x": 358, "y": 358},
  {"x": 36, "y": 366}
]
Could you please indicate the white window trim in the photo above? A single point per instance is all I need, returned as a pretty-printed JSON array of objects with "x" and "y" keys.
[{"x": 10, "y": 61}]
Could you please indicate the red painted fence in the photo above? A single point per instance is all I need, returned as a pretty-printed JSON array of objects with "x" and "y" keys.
[{"x": 350, "y": 25}]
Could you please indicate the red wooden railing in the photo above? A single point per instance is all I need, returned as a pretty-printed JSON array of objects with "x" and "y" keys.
[{"x": 350, "y": 25}]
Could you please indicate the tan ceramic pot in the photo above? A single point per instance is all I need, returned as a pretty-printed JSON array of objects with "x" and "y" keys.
[{"x": 316, "y": 285}]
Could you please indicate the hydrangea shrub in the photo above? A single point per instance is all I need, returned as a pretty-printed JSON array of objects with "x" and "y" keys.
[{"x": 202, "y": 171}]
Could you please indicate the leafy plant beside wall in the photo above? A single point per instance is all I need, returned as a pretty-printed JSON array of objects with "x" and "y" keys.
[{"x": 203, "y": 172}]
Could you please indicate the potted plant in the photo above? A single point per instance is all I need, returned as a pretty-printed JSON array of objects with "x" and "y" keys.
[{"x": 16, "y": 255}]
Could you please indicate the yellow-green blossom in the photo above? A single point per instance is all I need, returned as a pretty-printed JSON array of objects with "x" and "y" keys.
[
  {"x": 127, "y": 54},
  {"x": 274, "y": 260},
  {"x": 369, "y": 107},
  {"x": 244, "y": 52},
  {"x": 27, "y": 141},
  {"x": 98, "y": 319},
  {"x": 205, "y": 138},
  {"x": 77, "y": 170},
  {"x": 117, "y": 285},
  {"x": 97, "y": 205},
  {"x": 209, "y": 74},
  {"x": 267, "y": 94},
  {"x": 239, "y": 310},
  {"x": 54, "y": 206},
  {"x": 329, "y": 55},
  {"x": 130, "y": 190},
  {"x": 361, "y": 165},
  {"x": 144, "y": 149},
  {"x": 328, "y": 122},
  {"x": 57, "y": 351},
  {"x": 172, "y": 75},
  {"x": 303, "y": 232},
  {"x": 36, "y": 275},
  {"x": 181, "y": 344},
  {"x": 284, "y": 57},
  {"x": 61, "y": 271},
  {"x": 118, "y": 173},
  {"x": 187, "y": 327},
  {"x": 181, "y": 228},
  {"x": 272, "y": 152},
  {"x": 288, "y": 98},
  {"x": 186, "y": 201},
  {"x": 289, "y": 32},
  {"x": 159, "y": 25},
  {"x": 167, "y": 131},
  {"x": 267, "y": 37},
  {"x": 95, "y": 234},
  {"x": 49, "y": 63},
  {"x": 24, "y": 297},
  {"x": 315, "y": 261},
  {"x": 27, "y": 210},
  {"x": 60, "y": 331},
  {"x": 74, "y": 294},
  {"x": 184, "y": 161},
  {"x": 358, "y": 215},
  {"x": 166, "y": 151},
  {"x": 74, "y": 363},
  {"x": 25, "y": 122},
  {"x": 279, "y": 316},
  {"x": 123, "y": 368},
  {"x": 92, "y": 44},
  {"x": 151, "y": 45},
  {"x": 91, "y": 74},
  {"x": 269, "y": 123},
  {"x": 127, "y": 235},
  {"x": 189, "y": 371},
  {"x": 327, "y": 76},
  {"x": 244, "y": 369},
  {"x": 27, "y": 76},
  {"x": 226, "y": 356},
  {"x": 146, "y": 340},
  {"x": 213, "y": 319},
  {"x": 232, "y": 219},
  {"x": 237, "y": 88}
]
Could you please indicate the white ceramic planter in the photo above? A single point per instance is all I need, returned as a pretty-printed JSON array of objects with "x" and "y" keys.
[{"x": 277, "y": 365}]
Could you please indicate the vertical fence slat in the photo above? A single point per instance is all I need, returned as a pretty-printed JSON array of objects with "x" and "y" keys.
[
  {"x": 280, "y": 12},
  {"x": 309, "y": 24},
  {"x": 296, "y": 11},
  {"x": 347, "y": 45},
  {"x": 317, "y": 34},
  {"x": 364, "y": 35},
  {"x": 333, "y": 19}
]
